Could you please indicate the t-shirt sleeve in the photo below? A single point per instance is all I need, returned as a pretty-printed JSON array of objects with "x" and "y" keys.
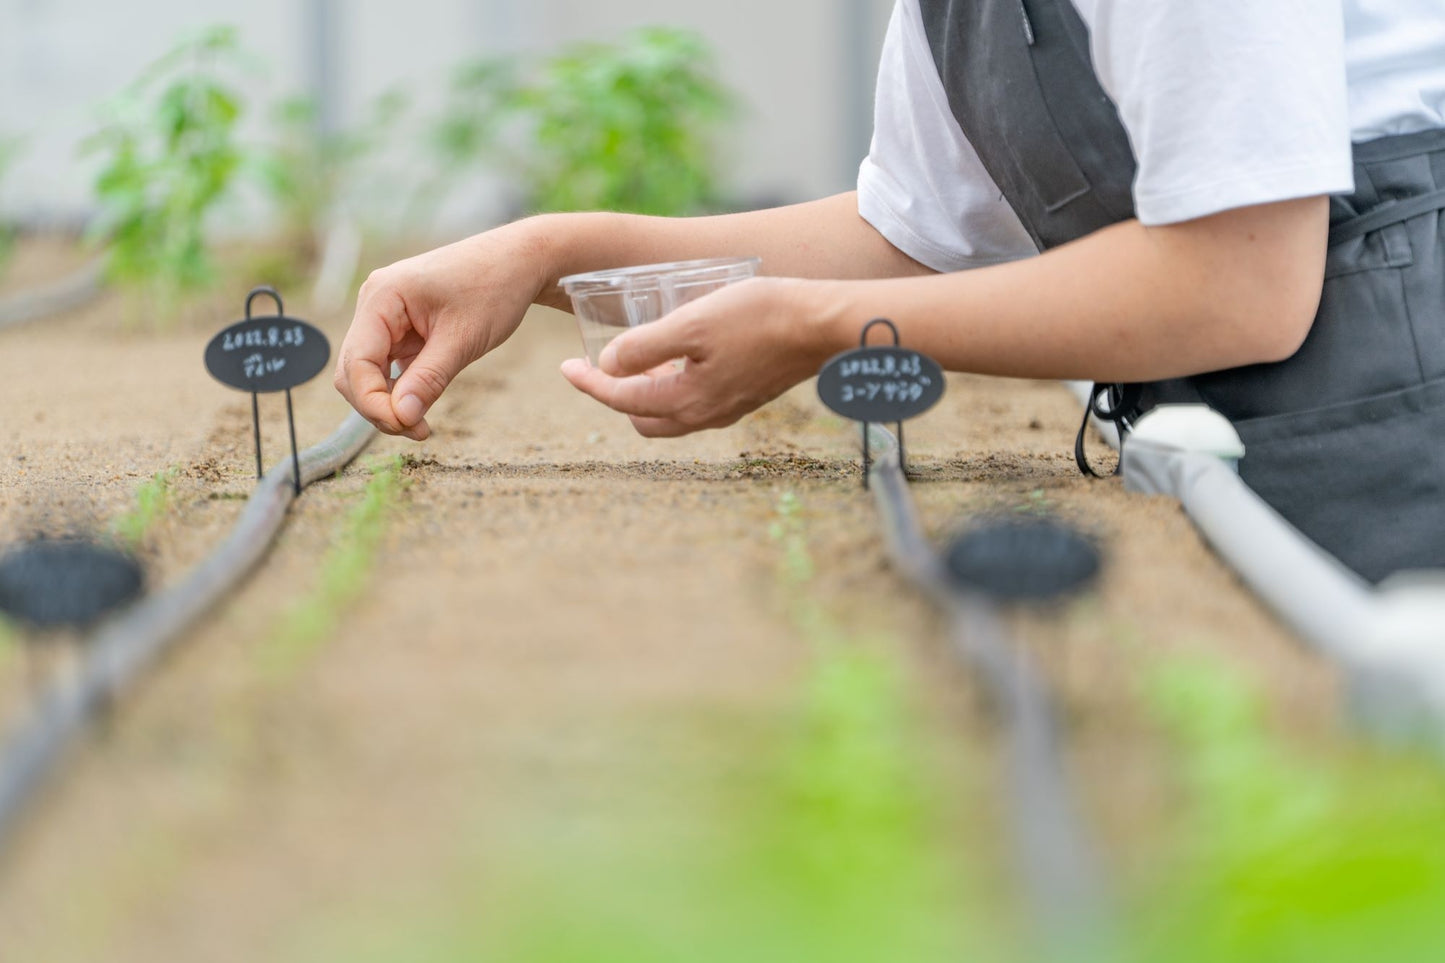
[
  {"x": 1227, "y": 102},
  {"x": 922, "y": 185}
]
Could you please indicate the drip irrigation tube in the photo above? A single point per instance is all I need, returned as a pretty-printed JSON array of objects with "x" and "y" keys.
[
  {"x": 1388, "y": 640},
  {"x": 68, "y": 293},
  {"x": 123, "y": 647},
  {"x": 1058, "y": 859}
]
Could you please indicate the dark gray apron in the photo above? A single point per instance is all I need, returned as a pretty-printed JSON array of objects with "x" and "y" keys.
[{"x": 1346, "y": 439}]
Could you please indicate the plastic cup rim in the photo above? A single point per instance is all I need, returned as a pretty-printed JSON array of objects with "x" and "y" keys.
[{"x": 643, "y": 276}]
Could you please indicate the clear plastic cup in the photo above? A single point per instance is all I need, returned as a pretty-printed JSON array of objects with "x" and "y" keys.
[{"x": 609, "y": 302}]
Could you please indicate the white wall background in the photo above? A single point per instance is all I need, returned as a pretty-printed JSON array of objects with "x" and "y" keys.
[{"x": 804, "y": 70}]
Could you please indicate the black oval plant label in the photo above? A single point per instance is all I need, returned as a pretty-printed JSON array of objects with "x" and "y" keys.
[
  {"x": 880, "y": 384},
  {"x": 267, "y": 354}
]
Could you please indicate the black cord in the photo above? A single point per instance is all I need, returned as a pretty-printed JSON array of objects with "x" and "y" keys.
[{"x": 1122, "y": 401}]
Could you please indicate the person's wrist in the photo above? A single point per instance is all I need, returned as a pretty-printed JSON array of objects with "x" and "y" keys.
[
  {"x": 536, "y": 243},
  {"x": 822, "y": 309},
  {"x": 561, "y": 244}
]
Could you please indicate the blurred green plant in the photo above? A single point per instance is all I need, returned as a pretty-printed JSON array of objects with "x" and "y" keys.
[
  {"x": 482, "y": 99},
  {"x": 1283, "y": 858},
  {"x": 169, "y": 155},
  {"x": 833, "y": 855},
  {"x": 309, "y": 170},
  {"x": 9, "y": 149},
  {"x": 630, "y": 126},
  {"x": 626, "y": 127},
  {"x": 823, "y": 835}
]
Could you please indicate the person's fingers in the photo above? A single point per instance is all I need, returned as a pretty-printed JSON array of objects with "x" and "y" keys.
[
  {"x": 399, "y": 363},
  {"x": 361, "y": 370},
  {"x": 644, "y": 395},
  {"x": 420, "y": 431},
  {"x": 659, "y": 427},
  {"x": 381, "y": 332},
  {"x": 645, "y": 347},
  {"x": 599, "y": 384},
  {"x": 425, "y": 378}
]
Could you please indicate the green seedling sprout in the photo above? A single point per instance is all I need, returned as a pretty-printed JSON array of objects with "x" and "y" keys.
[
  {"x": 344, "y": 573},
  {"x": 1036, "y": 502},
  {"x": 789, "y": 530},
  {"x": 9, "y": 639},
  {"x": 169, "y": 155},
  {"x": 152, "y": 500}
]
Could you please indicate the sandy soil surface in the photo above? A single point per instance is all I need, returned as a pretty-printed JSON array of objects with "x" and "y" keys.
[{"x": 566, "y": 624}]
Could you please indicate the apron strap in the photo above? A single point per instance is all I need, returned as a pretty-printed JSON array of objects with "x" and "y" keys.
[
  {"x": 1118, "y": 403},
  {"x": 1386, "y": 214}
]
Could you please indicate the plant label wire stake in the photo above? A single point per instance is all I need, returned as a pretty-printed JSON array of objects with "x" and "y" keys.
[
  {"x": 256, "y": 430},
  {"x": 880, "y": 383},
  {"x": 264, "y": 354}
]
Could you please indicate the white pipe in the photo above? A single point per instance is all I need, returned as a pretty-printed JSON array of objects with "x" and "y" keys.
[
  {"x": 1312, "y": 593},
  {"x": 1390, "y": 639}
]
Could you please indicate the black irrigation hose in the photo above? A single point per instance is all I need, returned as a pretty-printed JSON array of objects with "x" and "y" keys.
[
  {"x": 123, "y": 647},
  {"x": 1057, "y": 858},
  {"x": 67, "y": 294}
]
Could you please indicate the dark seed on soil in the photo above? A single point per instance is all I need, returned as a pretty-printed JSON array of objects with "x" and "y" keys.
[
  {"x": 54, "y": 582},
  {"x": 1022, "y": 560}
]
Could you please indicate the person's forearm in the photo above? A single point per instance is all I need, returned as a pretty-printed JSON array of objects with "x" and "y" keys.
[
  {"x": 819, "y": 239},
  {"x": 1127, "y": 303}
]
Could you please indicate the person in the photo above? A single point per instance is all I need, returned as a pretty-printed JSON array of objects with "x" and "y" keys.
[{"x": 1235, "y": 201}]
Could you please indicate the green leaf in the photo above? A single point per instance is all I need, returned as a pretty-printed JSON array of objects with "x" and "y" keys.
[{"x": 169, "y": 155}]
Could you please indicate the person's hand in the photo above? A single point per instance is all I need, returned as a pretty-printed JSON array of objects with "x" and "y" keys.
[
  {"x": 744, "y": 345},
  {"x": 433, "y": 315}
]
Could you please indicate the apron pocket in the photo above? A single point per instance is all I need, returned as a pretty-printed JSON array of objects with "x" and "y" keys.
[
  {"x": 1364, "y": 479},
  {"x": 1362, "y": 344}
]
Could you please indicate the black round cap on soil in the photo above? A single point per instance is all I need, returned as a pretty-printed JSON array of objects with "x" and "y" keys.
[
  {"x": 1019, "y": 560},
  {"x": 54, "y": 582}
]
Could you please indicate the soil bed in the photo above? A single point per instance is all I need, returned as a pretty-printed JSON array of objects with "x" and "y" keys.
[{"x": 565, "y": 626}]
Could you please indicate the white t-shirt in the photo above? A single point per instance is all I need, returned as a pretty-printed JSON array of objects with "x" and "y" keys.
[{"x": 1226, "y": 103}]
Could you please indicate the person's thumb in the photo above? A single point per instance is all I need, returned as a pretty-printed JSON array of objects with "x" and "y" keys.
[
  {"x": 645, "y": 347},
  {"x": 424, "y": 380}
]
